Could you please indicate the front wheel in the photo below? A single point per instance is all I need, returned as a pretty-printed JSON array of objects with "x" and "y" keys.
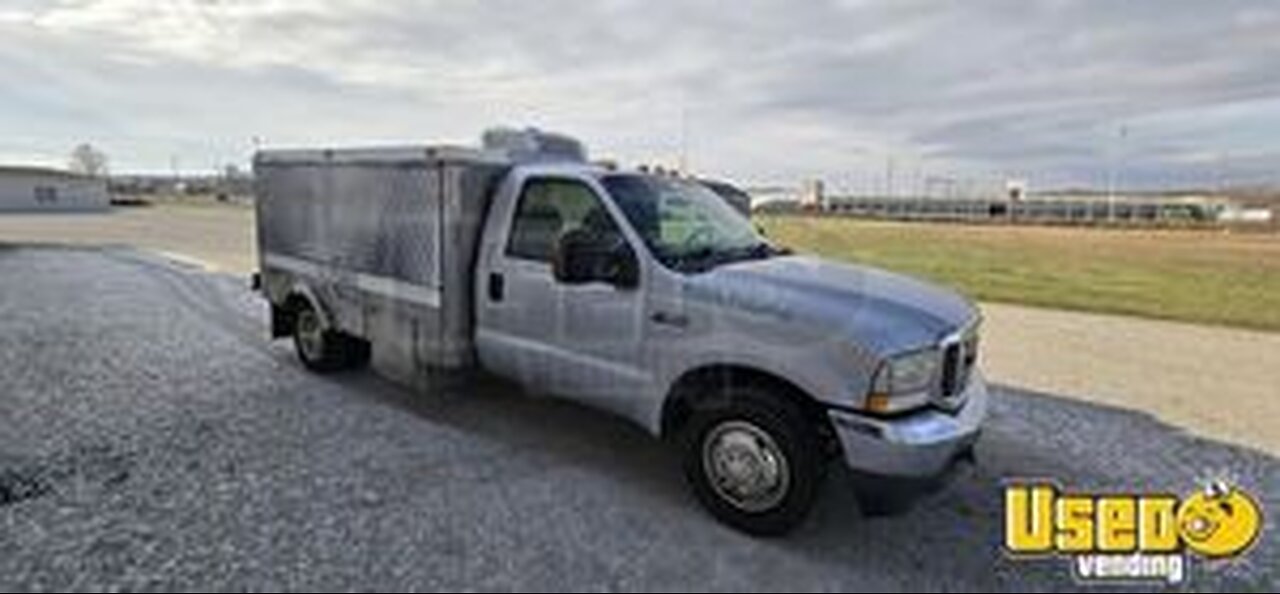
[{"x": 754, "y": 462}]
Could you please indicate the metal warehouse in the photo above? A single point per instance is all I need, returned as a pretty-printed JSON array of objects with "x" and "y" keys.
[{"x": 25, "y": 188}]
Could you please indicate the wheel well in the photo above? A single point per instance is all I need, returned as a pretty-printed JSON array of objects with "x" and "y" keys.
[
  {"x": 284, "y": 315},
  {"x": 701, "y": 387},
  {"x": 295, "y": 302}
]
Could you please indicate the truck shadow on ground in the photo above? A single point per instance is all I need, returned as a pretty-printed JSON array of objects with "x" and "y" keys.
[
  {"x": 955, "y": 531},
  {"x": 560, "y": 431}
]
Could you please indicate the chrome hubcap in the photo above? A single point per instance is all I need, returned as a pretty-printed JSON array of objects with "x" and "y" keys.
[
  {"x": 745, "y": 466},
  {"x": 310, "y": 335}
]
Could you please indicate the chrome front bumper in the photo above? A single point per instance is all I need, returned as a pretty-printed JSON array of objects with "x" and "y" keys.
[{"x": 917, "y": 445}]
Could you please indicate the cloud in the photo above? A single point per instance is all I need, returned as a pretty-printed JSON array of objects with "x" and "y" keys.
[{"x": 765, "y": 91}]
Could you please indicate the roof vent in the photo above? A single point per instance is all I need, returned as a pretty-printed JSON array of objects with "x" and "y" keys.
[{"x": 534, "y": 145}]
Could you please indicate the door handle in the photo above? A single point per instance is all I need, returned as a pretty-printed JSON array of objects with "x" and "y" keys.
[
  {"x": 669, "y": 319},
  {"x": 497, "y": 286}
]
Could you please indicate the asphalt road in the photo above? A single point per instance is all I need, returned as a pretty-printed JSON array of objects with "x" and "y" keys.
[{"x": 151, "y": 438}]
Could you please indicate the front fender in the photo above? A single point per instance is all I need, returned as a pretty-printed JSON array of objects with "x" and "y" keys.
[{"x": 821, "y": 383}]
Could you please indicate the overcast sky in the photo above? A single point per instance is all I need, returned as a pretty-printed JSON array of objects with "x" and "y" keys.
[{"x": 1172, "y": 92}]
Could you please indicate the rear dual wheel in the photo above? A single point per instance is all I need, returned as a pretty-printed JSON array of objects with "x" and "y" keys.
[{"x": 322, "y": 349}]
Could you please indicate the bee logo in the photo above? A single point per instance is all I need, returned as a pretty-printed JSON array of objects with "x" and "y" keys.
[{"x": 1220, "y": 521}]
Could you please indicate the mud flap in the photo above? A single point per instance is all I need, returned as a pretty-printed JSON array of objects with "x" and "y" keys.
[{"x": 281, "y": 322}]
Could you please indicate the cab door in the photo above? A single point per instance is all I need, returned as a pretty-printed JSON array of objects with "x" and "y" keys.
[{"x": 576, "y": 340}]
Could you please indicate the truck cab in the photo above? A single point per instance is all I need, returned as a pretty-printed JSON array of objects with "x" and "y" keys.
[{"x": 650, "y": 297}]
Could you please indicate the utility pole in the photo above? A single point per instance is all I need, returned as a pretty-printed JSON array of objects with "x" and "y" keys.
[
  {"x": 1224, "y": 163},
  {"x": 1111, "y": 172},
  {"x": 888, "y": 177},
  {"x": 684, "y": 134}
]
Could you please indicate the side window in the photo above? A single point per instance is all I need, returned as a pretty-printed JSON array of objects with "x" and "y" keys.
[{"x": 549, "y": 208}]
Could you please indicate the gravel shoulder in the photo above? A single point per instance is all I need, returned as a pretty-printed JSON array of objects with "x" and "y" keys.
[
  {"x": 1222, "y": 383},
  {"x": 151, "y": 439}
]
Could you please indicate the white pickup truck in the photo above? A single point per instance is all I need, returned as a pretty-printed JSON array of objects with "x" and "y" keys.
[{"x": 646, "y": 296}]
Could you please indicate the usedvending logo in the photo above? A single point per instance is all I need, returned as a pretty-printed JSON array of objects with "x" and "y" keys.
[{"x": 1129, "y": 537}]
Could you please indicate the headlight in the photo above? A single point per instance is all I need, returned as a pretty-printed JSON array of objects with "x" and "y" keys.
[{"x": 903, "y": 382}]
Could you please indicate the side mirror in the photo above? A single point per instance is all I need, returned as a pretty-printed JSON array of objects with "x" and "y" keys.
[{"x": 582, "y": 257}]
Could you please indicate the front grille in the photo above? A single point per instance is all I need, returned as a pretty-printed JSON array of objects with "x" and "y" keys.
[
  {"x": 970, "y": 358},
  {"x": 959, "y": 355},
  {"x": 951, "y": 361}
]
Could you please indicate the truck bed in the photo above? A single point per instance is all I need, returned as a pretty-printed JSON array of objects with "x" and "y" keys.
[{"x": 384, "y": 238}]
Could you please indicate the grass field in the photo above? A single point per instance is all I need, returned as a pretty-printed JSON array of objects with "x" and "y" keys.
[{"x": 1197, "y": 276}]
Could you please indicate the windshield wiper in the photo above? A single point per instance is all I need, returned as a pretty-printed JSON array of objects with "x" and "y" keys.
[
  {"x": 757, "y": 251},
  {"x": 698, "y": 260},
  {"x": 711, "y": 257},
  {"x": 707, "y": 257},
  {"x": 763, "y": 250}
]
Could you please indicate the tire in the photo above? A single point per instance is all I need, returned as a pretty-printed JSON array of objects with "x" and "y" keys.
[
  {"x": 768, "y": 436},
  {"x": 320, "y": 349}
]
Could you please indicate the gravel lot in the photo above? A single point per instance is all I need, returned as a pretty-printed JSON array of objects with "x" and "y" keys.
[{"x": 152, "y": 439}]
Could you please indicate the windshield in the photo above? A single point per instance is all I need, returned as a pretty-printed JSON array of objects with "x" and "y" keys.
[{"x": 688, "y": 227}]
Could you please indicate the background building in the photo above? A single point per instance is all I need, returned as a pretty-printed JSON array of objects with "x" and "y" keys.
[
  {"x": 25, "y": 188},
  {"x": 813, "y": 195}
]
